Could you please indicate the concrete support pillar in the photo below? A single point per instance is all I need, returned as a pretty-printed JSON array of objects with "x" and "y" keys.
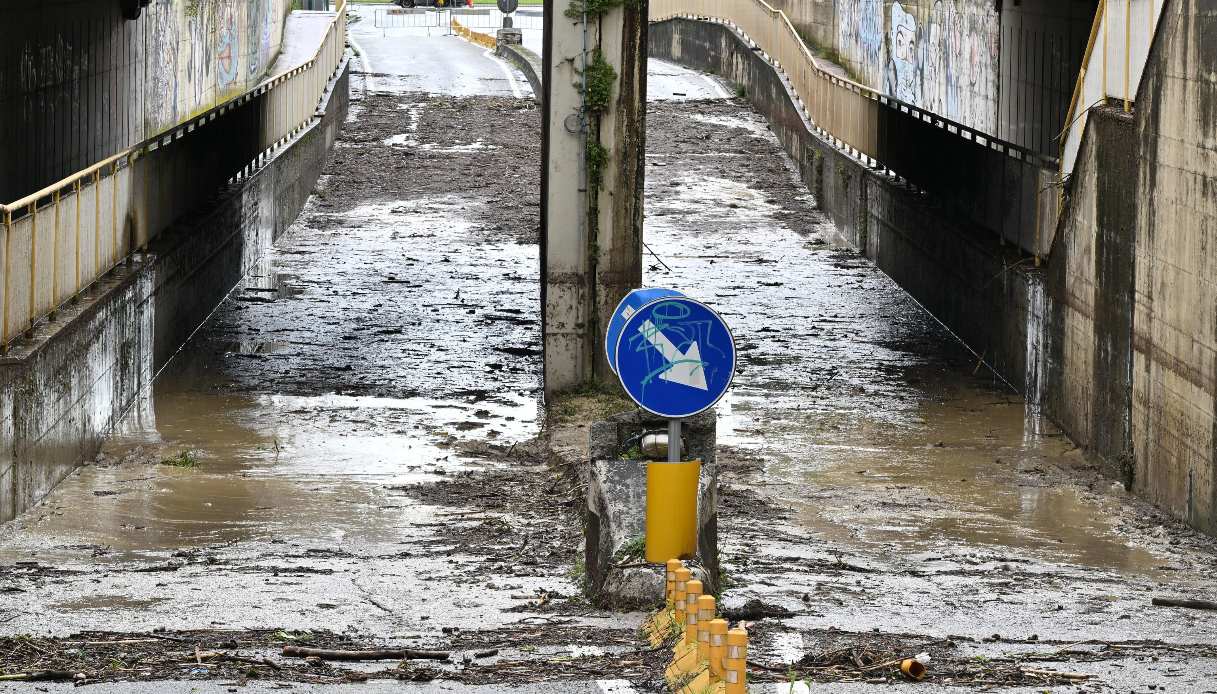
[{"x": 592, "y": 179}]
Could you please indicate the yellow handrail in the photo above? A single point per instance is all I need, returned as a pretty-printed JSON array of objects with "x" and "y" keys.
[
  {"x": 268, "y": 83},
  {"x": 1077, "y": 88},
  {"x": 96, "y": 239}
]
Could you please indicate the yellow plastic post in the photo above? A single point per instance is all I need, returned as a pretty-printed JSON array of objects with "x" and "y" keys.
[
  {"x": 705, "y": 615},
  {"x": 671, "y": 510},
  {"x": 684, "y": 655},
  {"x": 718, "y": 648},
  {"x": 736, "y": 662},
  {"x": 678, "y": 604},
  {"x": 659, "y": 625},
  {"x": 672, "y": 567},
  {"x": 692, "y": 595}
]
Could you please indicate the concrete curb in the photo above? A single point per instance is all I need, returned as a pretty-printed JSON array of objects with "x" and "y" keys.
[{"x": 528, "y": 62}]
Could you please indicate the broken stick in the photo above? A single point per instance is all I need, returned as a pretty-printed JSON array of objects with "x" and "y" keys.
[
  {"x": 1184, "y": 602},
  {"x": 375, "y": 654},
  {"x": 38, "y": 676}
]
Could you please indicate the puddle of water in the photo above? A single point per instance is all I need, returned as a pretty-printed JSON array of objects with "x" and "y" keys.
[
  {"x": 407, "y": 141},
  {"x": 107, "y": 602},
  {"x": 963, "y": 473}
]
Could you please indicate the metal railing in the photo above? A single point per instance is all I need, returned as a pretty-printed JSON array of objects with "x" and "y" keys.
[
  {"x": 839, "y": 106},
  {"x": 995, "y": 184},
  {"x": 1116, "y": 53},
  {"x": 60, "y": 240}
]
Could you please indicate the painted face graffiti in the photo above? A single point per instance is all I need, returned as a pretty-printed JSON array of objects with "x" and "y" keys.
[
  {"x": 904, "y": 78},
  {"x": 227, "y": 49}
]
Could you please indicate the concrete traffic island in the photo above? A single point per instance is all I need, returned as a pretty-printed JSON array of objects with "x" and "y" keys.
[{"x": 615, "y": 519}]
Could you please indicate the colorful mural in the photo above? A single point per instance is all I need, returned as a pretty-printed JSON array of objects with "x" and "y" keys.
[
  {"x": 205, "y": 52},
  {"x": 941, "y": 55}
]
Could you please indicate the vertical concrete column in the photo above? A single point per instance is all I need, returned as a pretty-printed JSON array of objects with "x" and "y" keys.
[
  {"x": 618, "y": 237},
  {"x": 591, "y": 209},
  {"x": 566, "y": 290}
]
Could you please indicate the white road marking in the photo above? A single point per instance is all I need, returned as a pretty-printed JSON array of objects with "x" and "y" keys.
[
  {"x": 363, "y": 55},
  {"x": 722, "y": 93},
  {"x": 511, "y": 79}
]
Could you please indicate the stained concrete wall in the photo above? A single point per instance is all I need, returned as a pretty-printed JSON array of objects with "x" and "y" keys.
[
  {"x": 816, "y": 20},
  {"x": 1088, "y": 390},
  {"x": 1132, "y": 281},
  {"x": 64, "y": 390},
  {"x": 78, "y": 83},
  {"x": 941, "y": 55},
  {"x": 1175, "y": 318}
]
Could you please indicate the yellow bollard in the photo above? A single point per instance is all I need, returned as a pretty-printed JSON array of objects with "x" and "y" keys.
[
  {"x": 692, "y": 595},
  {"x": 671, "y": 510},
  {"x": 678, "y": 603},
  {"x": 696, "y": 661},
  {"x": 688, "y": 642},
  {"x": 736, "y": 662},
  {"x": 658, "y": 625},
  {"x": 705, "y": 615},
  {"x": 684, "y": 655},
  {"x": 718, "y": 648},
  {"x": 673, "y": 566}
]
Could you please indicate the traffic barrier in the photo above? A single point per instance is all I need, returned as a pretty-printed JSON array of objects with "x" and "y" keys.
[
  {"x": 718, "y": 648},
  {"x": 679, "y": 593},
  {"x": 477, "y": 37},
  {"x": 659, "y": 625},
  {"x": 708, "y": 657},
  {"x": 735, "y": 663},
  {"x": 684, "y": 657}
]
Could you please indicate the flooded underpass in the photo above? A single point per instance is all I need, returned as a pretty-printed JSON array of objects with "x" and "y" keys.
[
  {"x": 884, "y": 492},
  {"x": 347, "y": 454}
]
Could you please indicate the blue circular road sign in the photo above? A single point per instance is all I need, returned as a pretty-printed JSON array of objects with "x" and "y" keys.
[
  {"x": 629, "y": 303},
  {"x": 675, "y": 357}
]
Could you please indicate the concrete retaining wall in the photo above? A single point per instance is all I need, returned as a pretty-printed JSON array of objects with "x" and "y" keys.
[
  {"x": 64, "y": 391},
  {"x": 960, "y": 274}
]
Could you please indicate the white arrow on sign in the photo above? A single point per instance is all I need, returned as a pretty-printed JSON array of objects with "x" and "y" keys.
[{"x": 686, "y": 368}]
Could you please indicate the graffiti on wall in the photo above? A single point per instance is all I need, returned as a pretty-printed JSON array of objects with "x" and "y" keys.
[
  {"x": 204, "y": 52},
  {"x": 228, "y": 52},
  {"x": 903, "y": 71},
  {"x": 940, "y": 55},
  {"x": 162, "y": 101},
  {"x": 860, "y": 36}
]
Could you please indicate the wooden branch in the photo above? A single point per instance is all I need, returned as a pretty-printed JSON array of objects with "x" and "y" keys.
[
  {"x": 378, "y": 654},
  {"x": 1184, "y": 602},
  {"x": 39, "y": 676}
]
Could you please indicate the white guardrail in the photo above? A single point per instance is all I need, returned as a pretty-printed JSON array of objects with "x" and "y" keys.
[{"x": 1120, "y": 40}]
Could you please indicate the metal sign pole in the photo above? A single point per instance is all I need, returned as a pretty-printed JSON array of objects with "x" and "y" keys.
[{"x": 673, "y": 440}]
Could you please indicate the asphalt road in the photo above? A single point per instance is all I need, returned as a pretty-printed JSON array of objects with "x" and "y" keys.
[{"x": 416, "y": 52}]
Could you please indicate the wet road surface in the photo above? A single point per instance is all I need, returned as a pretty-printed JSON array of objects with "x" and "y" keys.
[
  {"x": 355, "y": 437},
  {"x": 418, "y": 52},
  {"x": 880, "y": 484}
]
